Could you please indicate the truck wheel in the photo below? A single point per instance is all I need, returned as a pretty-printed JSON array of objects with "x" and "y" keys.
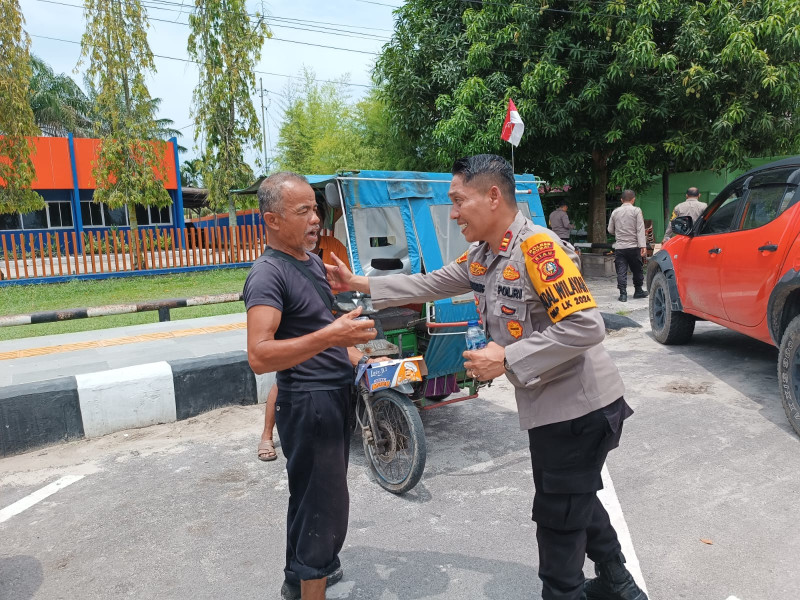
[
  {"x": 669, "y": 326},
  {"x": 789, "y": 373}
]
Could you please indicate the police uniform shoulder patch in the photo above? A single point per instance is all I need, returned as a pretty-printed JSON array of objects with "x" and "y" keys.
[
  {"x": 506, "y": 241},
  {"x": 510, "y": 273},
  {"x": 477, "y": 269},
  {"x": 555, "y": 277},
  {"x": 462, "y": 258}
]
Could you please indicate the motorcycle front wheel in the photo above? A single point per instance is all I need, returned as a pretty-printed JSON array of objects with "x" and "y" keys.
[{"x": 400, "y": 460}]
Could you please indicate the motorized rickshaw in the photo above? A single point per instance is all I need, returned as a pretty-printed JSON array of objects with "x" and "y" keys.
[{"x": 398, "y": 222}]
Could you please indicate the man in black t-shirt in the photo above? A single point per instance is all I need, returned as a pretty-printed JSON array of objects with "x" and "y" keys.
[{"x": 290, "y": 329}]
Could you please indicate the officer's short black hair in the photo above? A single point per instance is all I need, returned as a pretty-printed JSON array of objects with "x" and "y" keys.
[
  {"x": 496, "y": 170},
  {"x": 693, "y": 192},
  {"x": 562, "y": 203}
]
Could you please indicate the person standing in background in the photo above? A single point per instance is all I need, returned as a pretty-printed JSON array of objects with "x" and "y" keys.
[
  {"x": 559, "y": 221},
  {"x": 627, "y": 225},
  {"x": 691, "y": 207}
]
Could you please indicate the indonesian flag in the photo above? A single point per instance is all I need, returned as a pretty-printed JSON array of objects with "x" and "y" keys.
[{"x": 513, "y": 127}]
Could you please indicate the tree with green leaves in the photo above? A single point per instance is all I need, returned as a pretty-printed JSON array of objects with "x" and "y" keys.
[
  {"x": 192, "y": 173},
  {"x": 226, "y": 44},
  {"x": 16, "y": 117},
  {"x": 323, "y": 131},
  {"x": 129, "y": 168},
  {"x": 423, "y": 60},
  {"x": 608, "y": 89},
  {"x": 59, "y": 105}
]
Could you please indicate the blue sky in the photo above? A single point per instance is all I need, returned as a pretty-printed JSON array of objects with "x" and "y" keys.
[{"x": 361, "y": 26}]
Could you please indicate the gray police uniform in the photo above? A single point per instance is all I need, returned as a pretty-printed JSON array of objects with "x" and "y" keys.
[
  {"x": 691, "y": 207},
  {"x": 536, "y": 305}
]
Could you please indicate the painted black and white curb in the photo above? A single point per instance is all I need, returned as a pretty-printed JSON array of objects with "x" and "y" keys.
[{"x": 95, "y": 404}]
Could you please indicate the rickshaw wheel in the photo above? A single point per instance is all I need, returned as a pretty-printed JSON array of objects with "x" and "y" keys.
[{"x": 398, "y": 466}]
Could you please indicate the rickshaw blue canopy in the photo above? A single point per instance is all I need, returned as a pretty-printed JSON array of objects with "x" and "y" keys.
[{"x": 398, "y": 222}]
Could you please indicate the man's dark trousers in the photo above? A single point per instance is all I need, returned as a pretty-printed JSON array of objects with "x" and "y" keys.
[
  {"x": 628, "y": 257},
  {"x": 315, "y": 439},
  {"x": 571, "y": 523}
]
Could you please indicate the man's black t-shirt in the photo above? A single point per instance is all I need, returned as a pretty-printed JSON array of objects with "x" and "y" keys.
[{"x": 277, "y": 283}]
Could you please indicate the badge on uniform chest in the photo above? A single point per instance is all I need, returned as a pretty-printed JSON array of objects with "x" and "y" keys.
[
  {"x": 510, "y": 273},
  {"x": 477, "y": 269}
]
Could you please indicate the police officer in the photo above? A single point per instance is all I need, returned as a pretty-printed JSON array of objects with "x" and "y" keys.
[
  {"x": 547, "y": 335},
  {"x": 559, "y": 221},
  {"x": 691, "y": 207}
]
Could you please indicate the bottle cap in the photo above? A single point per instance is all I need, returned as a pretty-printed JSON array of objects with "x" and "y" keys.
[{"x": 472, "y": 323}]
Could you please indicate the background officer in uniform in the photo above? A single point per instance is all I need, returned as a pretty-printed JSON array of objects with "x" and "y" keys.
[
  {"x": 630, "y": 248},
  {"x": 691, "y": 207},
  {"x": 546, "y": 337},
  {"x": 559, "y": 221}
]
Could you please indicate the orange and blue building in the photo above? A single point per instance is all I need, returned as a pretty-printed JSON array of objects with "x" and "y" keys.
[{"x": 64, "y": 179}]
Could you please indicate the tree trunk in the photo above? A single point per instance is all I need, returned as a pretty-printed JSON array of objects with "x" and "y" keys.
[
  {"x": 597, "y": 197},
  {"x": 232, "y": 223},
  {"x": 136, "y": 249},
  {"x": 665, "y": 194}
]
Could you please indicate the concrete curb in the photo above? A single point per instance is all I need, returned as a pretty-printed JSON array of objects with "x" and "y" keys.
[{"x": 95, "y": 404}]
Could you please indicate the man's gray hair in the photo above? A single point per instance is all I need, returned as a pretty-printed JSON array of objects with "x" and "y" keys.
[
  {"x": 628, "y": 195},
  {"x": 270, "y": 192}
]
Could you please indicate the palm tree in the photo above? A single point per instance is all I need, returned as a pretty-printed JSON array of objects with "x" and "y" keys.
[
  {"x": 59, "y": 105},
  {"x": 163, "y": 129},
  {"x": 191, "y": 173}
]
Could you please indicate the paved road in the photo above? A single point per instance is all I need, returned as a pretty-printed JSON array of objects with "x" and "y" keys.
[{"x": 186, "y": 511}]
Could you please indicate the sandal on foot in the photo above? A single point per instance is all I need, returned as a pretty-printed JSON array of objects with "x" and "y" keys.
[{"x": 266, "y": 451}]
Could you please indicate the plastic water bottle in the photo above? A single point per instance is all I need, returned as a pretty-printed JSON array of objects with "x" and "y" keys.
[{"x": 476, "y": 338}]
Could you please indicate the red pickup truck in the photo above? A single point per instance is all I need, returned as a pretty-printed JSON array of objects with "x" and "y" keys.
[{"x": 738, "y": 266}]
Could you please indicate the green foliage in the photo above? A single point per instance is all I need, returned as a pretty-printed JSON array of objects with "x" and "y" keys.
[
  {"x": 16, "y": 118},
  {"x": 191, "y": 173},
  {"x": 324, "y": 132},
  {"x": 155, "y": 128},
  {"x": 81, "y": 293},
  {"x": 59, "y": 105},
  {"x": 129, "y": 167},
  {"x": 226, "y": 45},
  {"x": 611, "y": 92},
  {"x": 425, "y": 59}
]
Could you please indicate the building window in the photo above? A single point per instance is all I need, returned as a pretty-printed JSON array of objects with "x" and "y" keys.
[
  {"x": 60, "y": 214},
  {"x": 9, "y": 222},
  {"x": 160, "y": 216},
  {"x": 91, "y": 214},
  {"x": 97, "y": 214},
  {"x": 35, "y": 220},
  {"x": 152, "y": 215},
  {"x": 116, "y": 217},
  {"x": 55, "y": 215}
]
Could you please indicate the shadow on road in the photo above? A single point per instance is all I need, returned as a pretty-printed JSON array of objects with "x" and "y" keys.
[{"x": 377, "y": 572}]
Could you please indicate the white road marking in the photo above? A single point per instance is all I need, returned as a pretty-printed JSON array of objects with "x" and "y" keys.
[
  {"x": 732, "y": 598},
  {"x": 37, "y": 496},
  {"x": 608, "y": 496}
]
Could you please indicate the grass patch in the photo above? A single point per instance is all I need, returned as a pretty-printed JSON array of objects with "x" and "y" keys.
[
  {"x": 623, "y": 313},
  {"x": 79, "y": 294}
]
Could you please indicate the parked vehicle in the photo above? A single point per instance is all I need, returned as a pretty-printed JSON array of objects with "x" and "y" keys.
[
  {"x": 738, "y": 266},
  {"x": 399, "y": 222}
]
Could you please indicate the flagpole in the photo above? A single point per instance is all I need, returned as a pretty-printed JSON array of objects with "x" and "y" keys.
[{"x": 512, "y": 159}]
